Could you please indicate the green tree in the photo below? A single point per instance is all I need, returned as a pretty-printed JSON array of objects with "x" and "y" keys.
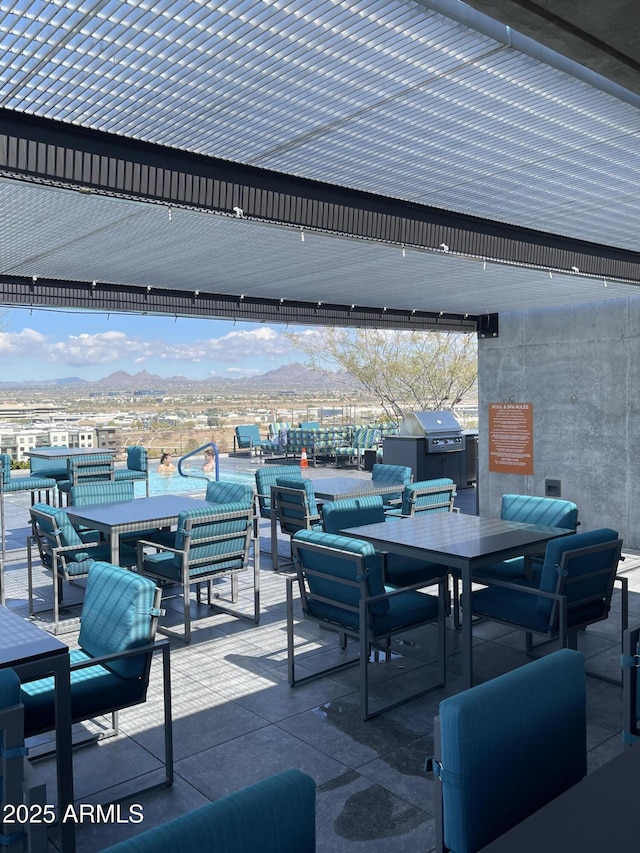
[{"x": 405, "y": 371}]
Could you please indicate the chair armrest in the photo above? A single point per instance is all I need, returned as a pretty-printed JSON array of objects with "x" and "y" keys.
[{"x": 157, "y": 645}]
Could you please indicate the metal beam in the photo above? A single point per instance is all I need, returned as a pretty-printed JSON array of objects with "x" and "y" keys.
[
  {"x": 59, "y": 154},
  {"x": 90, "y": 296}
]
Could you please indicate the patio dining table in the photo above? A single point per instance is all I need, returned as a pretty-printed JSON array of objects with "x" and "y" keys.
[
  {"x": 114, "y": 519},
  {"x": 458, "y": 541}
]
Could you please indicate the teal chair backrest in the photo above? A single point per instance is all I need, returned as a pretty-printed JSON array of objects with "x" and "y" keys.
[
  {"x": 118, "y": 614},
  {"x": 552, "y": 512},
  {"x": 401, "y": 474},
  {"x": 437, "y": 499},
  {"x": 101, "y": 492},
  {"x": 266, "y": 477},
  {"x": 5, "y": 463},
  {"x": 352, "y": 512},
  {"x": 219, "y": 492},
  {"x": 137, "y": 458},
  {"x": 206, "y": 534},
  {"x": 333, "y": 556},
  {"x": 290, "y": 482},
  {"x": 509, "y": 746}
]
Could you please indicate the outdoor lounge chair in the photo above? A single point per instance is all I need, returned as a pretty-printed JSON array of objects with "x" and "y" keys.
[
  {"x": 247, "y": 439},
  {"x": 507, "y": 747},
  {"x": 266, "y": 477},
  {"x": 111, "y": 668},
  {"x": 274, "y": 815},
  {"x": 363, "y": 438},
  {"x": 341, "y": 589},
  {"x": 209, "y": 544},
  {"x": 64, "y": 553}
]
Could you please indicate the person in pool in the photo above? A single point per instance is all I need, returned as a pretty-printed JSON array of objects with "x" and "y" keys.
[
  {"x": 209, "y": 461},
  {"x": 166, "y": 466}
]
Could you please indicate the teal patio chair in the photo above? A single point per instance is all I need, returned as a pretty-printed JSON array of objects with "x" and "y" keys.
[
  {"x": 209, "y": 544},
  {"x": 137, "y": 467},
  {"x": 111, "y": 668},
  {"x": 507, "y": 747},
  {"x": 64, "y": 554},
  {"x": 294, "y": 507},
  {"x": 341, "y": 587},
  {"x": 92, "y": 468},
  {"x": 247, "y": 439},
  {"x": 35, "y": 484},
  {"x": 356, "y": 512},
  {"x": 427, "y": 496},
  {"x": 389, "y": 474},
  {"x": 574, "y": 590},
  {"x": 551, "y": 512},
  {"x": 266, "y": 477}
]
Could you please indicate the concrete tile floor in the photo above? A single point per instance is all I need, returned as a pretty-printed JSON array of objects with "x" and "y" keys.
[{"x": 236, "y": 720}]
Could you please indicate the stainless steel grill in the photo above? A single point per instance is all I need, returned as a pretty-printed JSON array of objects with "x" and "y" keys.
[{"x": 441, "y": 431}]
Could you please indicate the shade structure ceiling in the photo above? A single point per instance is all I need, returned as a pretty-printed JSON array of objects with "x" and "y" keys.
[{"x": 387, "y": 158}]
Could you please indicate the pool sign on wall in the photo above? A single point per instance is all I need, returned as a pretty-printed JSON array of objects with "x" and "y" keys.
[{"x": 511, "y": 438}]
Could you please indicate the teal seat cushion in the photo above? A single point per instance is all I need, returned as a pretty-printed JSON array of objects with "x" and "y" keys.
[
  {"x": 29, "y": 484},
  {"x": 89, "y": 687}
]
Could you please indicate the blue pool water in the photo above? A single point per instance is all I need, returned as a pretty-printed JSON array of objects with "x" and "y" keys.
[{"x": 162, "y": 484}]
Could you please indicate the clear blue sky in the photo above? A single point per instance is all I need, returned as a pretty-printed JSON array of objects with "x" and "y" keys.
[{"x": 56, "y": 344}]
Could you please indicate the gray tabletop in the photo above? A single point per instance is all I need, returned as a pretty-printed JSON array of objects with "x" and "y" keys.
[
  {"x": 596, "y": 815},
  {"x": 458, "y": 540},
  {"x": 160, "y": 509},
  {"x": 335, "y": 488},
  {"x": 66, "y": 452},
  {"x": 22, "y": 641}
]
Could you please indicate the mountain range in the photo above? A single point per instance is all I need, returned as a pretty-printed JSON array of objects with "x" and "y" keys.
[{"x": 292, "y": 377}]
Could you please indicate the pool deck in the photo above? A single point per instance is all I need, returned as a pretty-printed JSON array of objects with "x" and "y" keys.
[{"x": 236, "y": 720}]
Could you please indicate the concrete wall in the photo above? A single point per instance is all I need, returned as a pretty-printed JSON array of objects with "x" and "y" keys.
[{"x": 580, "y": 368}]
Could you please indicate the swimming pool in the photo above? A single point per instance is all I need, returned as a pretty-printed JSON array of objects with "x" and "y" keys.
[{"x": 163, "y": 484}]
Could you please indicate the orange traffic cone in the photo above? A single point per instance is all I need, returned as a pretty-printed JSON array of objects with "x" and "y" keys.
[{"x": 303, "y": 458}]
